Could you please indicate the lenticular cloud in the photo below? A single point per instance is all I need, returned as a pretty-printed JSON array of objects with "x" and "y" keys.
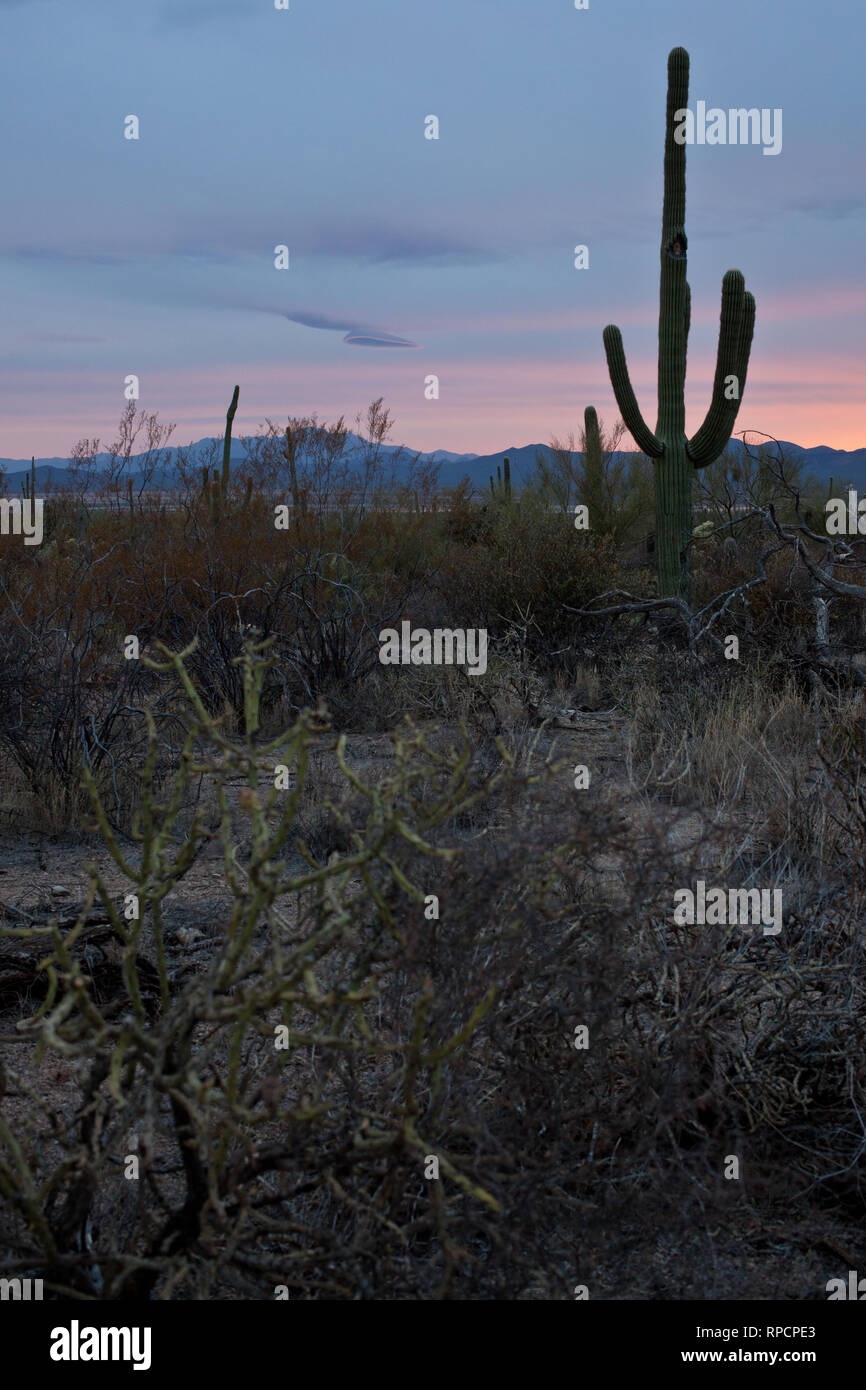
[
  {"x": 357, "y": 334},
  {"x": 386, "y": 340}
]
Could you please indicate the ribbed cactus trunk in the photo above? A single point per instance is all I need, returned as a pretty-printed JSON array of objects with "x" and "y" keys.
[
  {"x": 674, "y": 522},
  {"x": 675, "y": 456},
  {"x": 593, "y": 470},
  {"x": 673, "y": 473}
]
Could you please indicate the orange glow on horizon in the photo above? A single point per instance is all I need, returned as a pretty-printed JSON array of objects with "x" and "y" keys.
[{"x": 484, "y": 407}]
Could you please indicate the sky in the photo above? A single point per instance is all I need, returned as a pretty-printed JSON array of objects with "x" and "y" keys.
[{"x": 411, "y": 257}]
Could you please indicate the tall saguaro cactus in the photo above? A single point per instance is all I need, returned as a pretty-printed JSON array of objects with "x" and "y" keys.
[{"x": 675, "y": 456}]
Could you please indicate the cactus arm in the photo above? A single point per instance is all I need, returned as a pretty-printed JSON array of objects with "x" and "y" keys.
[
  {"x": 747, "y": 332},
  {"x": 625, "y": 397},
  {"x": 592, "y": 468},
  {"x": 593, "y": 472},
  {"x": 591, "y": 433},
  {"x": 737, "y": 324}
]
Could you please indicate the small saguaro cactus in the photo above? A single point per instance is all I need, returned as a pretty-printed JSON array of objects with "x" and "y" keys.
[
  {"x": 502, "y": 489},
  {"x": 299, "y": 494},
  {"x": 227, "y": 446},
  {"x": 675, "y": 456},
  {"x": 215, "y": 488},
  {"x": 593, "y": 470},
  {"x": 28, "y": 484}
]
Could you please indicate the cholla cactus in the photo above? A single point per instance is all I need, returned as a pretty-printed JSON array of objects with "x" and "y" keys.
[{"x": 674, "y": 454}]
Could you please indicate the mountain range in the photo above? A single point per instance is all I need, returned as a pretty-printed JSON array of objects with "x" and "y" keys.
[{"x": 844, "y": 467}]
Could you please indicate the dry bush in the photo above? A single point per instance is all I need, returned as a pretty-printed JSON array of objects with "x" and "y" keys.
[
  {"x": 70, "y": 703},
  {"x": 303, "y": 1166},
  {"x": 535, "y": 563}
]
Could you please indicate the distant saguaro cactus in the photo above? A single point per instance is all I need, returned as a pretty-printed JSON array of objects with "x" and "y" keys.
[
  {"x": 227, "y": 446},
  {"x": 299, "y": 494},
  {"x": 675, "y": 455},
  {"x": 215, "y": 489},
  {"x": 502, "y": 490},
  {"x": 593, "y": 470},
  {"x": 28, "y": 485}
]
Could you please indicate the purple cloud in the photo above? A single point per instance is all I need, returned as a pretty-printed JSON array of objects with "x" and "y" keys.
[{"x": 356, "y": 334}]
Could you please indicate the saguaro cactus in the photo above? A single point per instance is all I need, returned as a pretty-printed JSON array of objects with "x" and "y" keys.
[
  {"x": 674, "y": 454},
  {"x": 299, "y": 494},
  {"x": 28, "y": 485},
  {"x": 215, "y": 486},
  {"x": 502, "y": 490},
  {"x": 593, "y": 471},
  {"x": 225, "y": 476}
]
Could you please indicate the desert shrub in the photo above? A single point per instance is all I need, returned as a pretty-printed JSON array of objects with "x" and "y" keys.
[
  {"x": 775, "y": 615},
  {"x": 69, "y": 702},
  {"x": 301, "y": 1164},
  {"x": 534, "y": 563}
]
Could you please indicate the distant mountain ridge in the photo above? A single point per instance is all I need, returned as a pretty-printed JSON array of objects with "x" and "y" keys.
[{"x": 845, "y": 467}]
